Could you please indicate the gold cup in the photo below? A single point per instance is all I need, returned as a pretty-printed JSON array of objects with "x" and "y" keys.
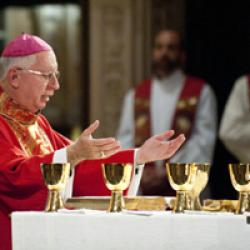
[
  {"x": 55, "y": 176},
  {"x": 181, "y": 177},
  {"x": 240, "y": 178},
  {"x": 117, "y": 178},
  {"x": 201, "y": 180}
]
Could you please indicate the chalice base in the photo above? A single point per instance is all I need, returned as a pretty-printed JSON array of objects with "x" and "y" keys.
[
  {"x": 243, "y": 203},
  {"x": 181, "y": 202},
  {"x": 116, "y": 202},
  {"x": 54, "y": 201}
]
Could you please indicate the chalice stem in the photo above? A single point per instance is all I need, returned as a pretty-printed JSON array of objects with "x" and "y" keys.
[
  {"x": 197, "y": 203},
  {"x": 180, "y": 204},
  {"x": 194, "y": 202},
  {"x": 116, "y": 202},
  {"x": 243, "y": 203},
  {"x": 54, "y": 201}
]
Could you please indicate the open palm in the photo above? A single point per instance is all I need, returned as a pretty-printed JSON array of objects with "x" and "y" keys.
[{"x": 159, "y": 148}]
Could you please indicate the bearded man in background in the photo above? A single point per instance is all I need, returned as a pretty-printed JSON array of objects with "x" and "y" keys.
[{"x": 170, "y": 99}]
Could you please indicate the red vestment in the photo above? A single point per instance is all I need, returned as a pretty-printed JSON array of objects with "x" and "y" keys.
[{"x": 23, "y": 147}]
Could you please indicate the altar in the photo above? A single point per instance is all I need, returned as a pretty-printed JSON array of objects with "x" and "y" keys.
[{"x": 83, "y": 229}]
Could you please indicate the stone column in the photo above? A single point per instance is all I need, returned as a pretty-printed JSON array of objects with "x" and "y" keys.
[{"x": 118, "y": 38}]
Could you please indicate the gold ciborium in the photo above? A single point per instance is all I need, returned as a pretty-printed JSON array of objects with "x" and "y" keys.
[
  {"x": 202, "y": 175},
  {"x": 240, "y": 178},
  {"x": 181, "y": 177},
  {"x": 55, "y": 177},
  {"x": 117, "y": 178}
]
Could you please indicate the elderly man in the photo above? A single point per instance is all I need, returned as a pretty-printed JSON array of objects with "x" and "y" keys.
[
  {"x": 170, "y": 99},
  {"x": 28, "y": 74}
]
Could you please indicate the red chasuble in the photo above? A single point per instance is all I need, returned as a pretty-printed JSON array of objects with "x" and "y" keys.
[
  {"x": 26, "y": 141},
  {"x": 182, "y": 121}
]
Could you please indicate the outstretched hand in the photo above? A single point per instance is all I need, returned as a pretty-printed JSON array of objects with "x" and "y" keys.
[
  {"x": 157, "y": 148},
  {"x": 88, "y": 148}
]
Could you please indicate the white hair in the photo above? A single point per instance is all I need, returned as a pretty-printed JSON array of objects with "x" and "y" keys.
[{"x": 6, "y": 63}]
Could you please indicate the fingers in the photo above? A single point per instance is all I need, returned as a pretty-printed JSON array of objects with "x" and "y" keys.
[
  {"x": 166, "y": 135},
  {"x": 111, "y": 151},
  {"x": 110, "y": 146},
  {"x": 105, "y": 144},
  {"x": 103, "y": 141},
  {"x": 179, "y": 139},
  {"x": 91, "y": 129},
  {"x": 177, "y": 142}
]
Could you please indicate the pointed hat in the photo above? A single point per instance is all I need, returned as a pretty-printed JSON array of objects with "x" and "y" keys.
[{"x": 25, "y": 45}]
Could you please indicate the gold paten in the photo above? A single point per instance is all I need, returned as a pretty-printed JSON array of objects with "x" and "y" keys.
[
  {"x": 117, "y": 178},
  {"x": 220, "y": 205},
  {"x": 240, "y": 178},
  {"x": 147, "y": 203},
  {"x": 201, "y": 180},
  {"x": 55, "y": 176},
  {"x": 182, "y": 178}
]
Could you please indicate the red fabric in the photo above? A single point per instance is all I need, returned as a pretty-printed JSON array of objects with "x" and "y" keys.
[
  {"x": 21, "y": 183},
  {"x": 192, "y": 88},
  {"x": 142, "y": 112},
  {"x": 143, "y": 90}
]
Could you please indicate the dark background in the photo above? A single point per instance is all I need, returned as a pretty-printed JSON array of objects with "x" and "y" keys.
[{"x": 218, "y": 46}]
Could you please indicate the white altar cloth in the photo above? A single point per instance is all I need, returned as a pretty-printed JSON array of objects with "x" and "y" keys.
[{"x": 159, "y": 231}]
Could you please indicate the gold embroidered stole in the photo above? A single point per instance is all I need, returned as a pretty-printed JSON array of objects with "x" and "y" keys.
[
  {"x": 184, "y": 114},
  {"x": 31, "y": 136}
]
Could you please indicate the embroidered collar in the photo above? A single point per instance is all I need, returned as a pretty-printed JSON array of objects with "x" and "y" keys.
[{"x": 13, "y": 111}]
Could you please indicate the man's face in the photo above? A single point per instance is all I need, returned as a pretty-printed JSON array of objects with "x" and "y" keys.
[
  {"x": 34, "y": 90},
  {"x": 167, "y": 53}
]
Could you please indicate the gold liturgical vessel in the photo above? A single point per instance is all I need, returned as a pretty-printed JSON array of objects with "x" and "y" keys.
[
  {"x": 117, "y": 178},
  {"x": 182, "y": 178},
  {"x": 240, "y": 178},
  {"x": 201, "y": 180},
  {"x": 55, "y": 176}
]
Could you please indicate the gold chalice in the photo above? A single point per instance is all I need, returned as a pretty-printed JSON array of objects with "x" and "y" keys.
[
  {"x": 202, "y": 175},
  {"x": 55, "y": 177},
  {"x": 181, "y": 177},
  {"x": 117, "y": 178},
  {"x": 240, "y": 178}
]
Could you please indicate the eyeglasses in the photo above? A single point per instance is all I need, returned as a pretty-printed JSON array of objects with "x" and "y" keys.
[{"x": 46, "y": 76}]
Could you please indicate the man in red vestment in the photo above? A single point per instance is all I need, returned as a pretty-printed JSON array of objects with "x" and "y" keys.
[
  {"x": 169, "y": 99},
  {"x": 28, "y": 78}
]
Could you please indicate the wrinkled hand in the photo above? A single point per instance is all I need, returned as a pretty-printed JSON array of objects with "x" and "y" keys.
[
  {"x": 157, "y": 148},
  {"x": 88, "y": 148}
]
